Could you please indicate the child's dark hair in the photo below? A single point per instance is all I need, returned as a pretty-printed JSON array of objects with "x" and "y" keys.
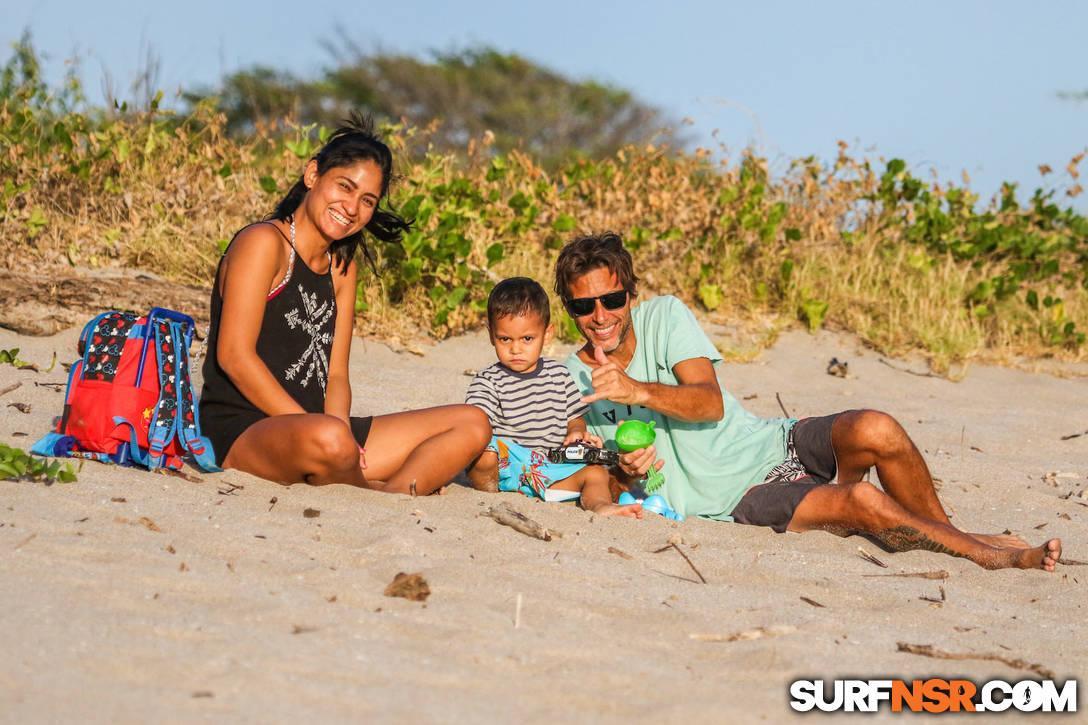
[
  {"x": 355, "y": 141},
  {"x": 518, "y": 296}
]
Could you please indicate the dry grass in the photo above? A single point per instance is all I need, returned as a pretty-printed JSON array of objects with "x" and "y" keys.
[{"x": 815, "y": 246}]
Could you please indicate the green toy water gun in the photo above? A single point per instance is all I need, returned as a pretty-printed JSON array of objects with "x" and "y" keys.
[{"x": 634, "y": 434}]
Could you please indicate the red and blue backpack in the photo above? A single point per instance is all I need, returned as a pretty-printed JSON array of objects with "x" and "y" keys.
[{"x": 130, "y": 399}]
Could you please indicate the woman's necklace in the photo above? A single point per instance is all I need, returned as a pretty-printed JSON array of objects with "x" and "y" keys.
[{"x": 291, "y": 266}]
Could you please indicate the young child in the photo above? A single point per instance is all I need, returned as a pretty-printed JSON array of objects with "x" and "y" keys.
[{"x": 533, "y": 405}]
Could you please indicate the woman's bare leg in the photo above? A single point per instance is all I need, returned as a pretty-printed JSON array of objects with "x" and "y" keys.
[
  {"x": 304, "y": 448},
  {"x": 424, "y": 449}
]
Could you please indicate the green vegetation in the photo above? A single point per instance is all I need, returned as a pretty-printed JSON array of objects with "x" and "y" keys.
[
  {"x": 11, "y": 357},
  {"x": 849, "y": 244},
  {"x": 16, "y": 464}
]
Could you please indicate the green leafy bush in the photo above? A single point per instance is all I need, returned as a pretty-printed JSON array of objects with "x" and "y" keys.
[{"x": 15, "y": 464}]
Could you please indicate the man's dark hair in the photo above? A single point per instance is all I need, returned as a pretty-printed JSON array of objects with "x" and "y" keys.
[
  {"x": 518, "y": 296},
  {"x": 590, "y": 252}
]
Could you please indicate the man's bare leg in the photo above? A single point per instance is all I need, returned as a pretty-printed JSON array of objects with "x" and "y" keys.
[
  {"x": 864, "y": 507},
  {"x": 867, "y": 438}
]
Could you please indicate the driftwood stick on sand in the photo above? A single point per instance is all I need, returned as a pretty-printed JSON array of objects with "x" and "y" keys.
[
  {"x": 870, "y": 558},
  {"x": 781, "y": 405},
  {"x": 697, "y": 572},
  {"x": 928, "y": 650},
  {"x": 939, "y": 574},
  {"x": 519, "y": 522}
]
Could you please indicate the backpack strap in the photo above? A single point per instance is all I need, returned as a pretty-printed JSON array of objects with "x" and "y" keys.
[
  {"x": 164, "y": 418},
  {"x": 131, "y": 454},
  {"x": 187, "y": 424}
]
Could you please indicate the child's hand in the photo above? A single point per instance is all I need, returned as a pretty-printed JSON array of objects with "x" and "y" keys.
[
  {"x": 583, "y": 435},
  {"x": 631, "y": 510}
]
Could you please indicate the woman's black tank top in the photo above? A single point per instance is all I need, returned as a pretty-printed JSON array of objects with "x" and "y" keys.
[{"x": 295, "y": 341}]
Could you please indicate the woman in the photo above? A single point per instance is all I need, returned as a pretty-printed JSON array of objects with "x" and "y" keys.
[{"x": 276, "y": 395}]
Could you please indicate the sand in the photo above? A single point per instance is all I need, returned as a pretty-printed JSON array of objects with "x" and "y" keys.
[{"x": 129, "y": 596}]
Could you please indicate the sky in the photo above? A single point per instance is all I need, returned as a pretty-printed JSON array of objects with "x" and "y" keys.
[{"x": 952, "y": 86}]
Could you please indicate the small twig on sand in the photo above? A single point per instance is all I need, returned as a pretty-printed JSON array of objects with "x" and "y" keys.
[
  {"x": 909, "y": 372},
  {"x": 928, "y": 650},
  {"x": 813, "y": 602},
  {"x": 9, "y": 388},
  {"x": 781, "y": 405},
  {"x": 181, "y": 474},
  {"x": 939, "y": 574},
  {"x": 507, "y": 516},
  {"x": 1071, "y": 436},
  {"x": 757, "y": 633},
  {"x": 869, "y": 557},
  {"x": 697, "y": 572},
  {"x": 24, "y": 541},
  {"x": 621, "y": 554},
  {"x": 517, "y": 612},
  {"x": 1072, "y": 562}
]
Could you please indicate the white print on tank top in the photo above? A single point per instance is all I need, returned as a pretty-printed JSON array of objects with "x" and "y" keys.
[{"x": 314, "y": 358}]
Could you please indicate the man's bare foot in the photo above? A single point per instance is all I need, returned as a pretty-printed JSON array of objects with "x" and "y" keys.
[
  {"x": 1050, "y": 552},
  {"x": 632, "y": 510},
  {"x": 1043, "y": 557},
  {"x": 1004, "y": 540}
]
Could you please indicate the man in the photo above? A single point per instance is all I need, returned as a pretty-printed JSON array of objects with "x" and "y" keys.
[{"x": 654, "y": 363}]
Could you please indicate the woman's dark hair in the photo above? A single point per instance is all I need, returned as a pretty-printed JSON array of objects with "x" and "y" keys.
[
  {"x": 355, "y": 141},
  {"x": 518, "y": 296},
  {"x": 590, "y": 252}
]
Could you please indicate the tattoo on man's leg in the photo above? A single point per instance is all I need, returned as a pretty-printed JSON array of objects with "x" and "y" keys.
[
  {"x": 843, "y": 531},
  {"x": 908, "y": 538}
]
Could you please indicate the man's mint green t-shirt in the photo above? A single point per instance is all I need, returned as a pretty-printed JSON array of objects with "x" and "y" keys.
[{"x": 708, "y": 466}]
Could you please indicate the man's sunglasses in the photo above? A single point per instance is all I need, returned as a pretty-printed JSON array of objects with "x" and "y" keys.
[{"x": 582, "y": 306}]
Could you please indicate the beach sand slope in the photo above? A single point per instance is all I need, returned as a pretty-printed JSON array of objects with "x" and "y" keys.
[{"x": 129, "y": 596}]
